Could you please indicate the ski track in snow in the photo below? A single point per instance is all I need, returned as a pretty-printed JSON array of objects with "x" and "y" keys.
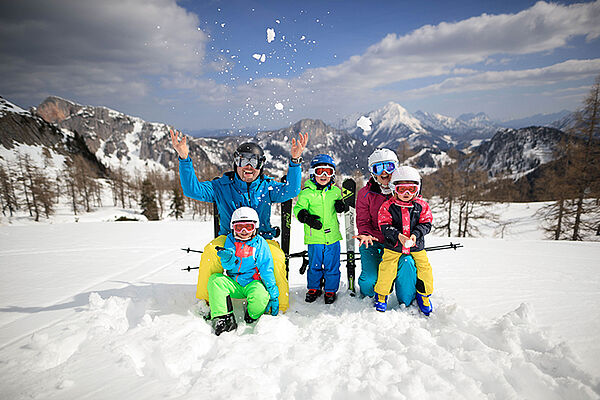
[{"x": 133, "y": 331}]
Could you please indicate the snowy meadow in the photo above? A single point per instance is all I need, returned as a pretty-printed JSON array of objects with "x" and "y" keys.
[{"x": 102, "y": 310}]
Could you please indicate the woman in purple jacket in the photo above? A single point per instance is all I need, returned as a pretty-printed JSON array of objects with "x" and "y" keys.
[{"x": 382, "y": 162}]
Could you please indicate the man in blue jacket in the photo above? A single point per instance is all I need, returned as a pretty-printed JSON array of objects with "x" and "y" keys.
[{"x": 245, "y": 186}]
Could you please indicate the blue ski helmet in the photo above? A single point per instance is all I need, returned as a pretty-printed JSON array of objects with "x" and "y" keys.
[{"x": 321, "y": 159}]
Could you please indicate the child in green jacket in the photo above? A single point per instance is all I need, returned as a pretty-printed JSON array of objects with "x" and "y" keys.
[{"x": 316, "y": 208}]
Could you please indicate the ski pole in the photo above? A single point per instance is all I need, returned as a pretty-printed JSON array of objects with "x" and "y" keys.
[
  {"x": 444, "y": 247},
  {"x": 191, "y": 250},
  {"x": 188, "y": 269}
]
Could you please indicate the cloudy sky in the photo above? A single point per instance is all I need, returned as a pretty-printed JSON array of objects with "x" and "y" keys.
[{"x": 266, "y": 64}]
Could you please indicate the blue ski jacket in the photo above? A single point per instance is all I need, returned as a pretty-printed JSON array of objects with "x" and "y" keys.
[
  {"x": 229, "y": 192},
  {"x": 252, "y": 261}
]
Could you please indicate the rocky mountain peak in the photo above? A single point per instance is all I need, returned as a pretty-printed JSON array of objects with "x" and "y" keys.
[{"x": 54, "y": 109}]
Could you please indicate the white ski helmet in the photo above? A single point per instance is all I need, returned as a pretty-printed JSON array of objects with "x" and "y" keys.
[
  {"x": 244, "y": 214},
  {"x": 405, "y": 173},
  {"x": 380, "y": 155}
]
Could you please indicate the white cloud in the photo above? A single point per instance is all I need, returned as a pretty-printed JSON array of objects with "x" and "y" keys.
[
  {"x": 447, "y": 49},
  {"x": 491, "y": 80},
  {"x": 434, "y": 50},
  {"x": 98, "y": 48}
]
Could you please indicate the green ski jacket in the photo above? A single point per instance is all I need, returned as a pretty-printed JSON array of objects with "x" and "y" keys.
[{"x": 321, "y": 203}]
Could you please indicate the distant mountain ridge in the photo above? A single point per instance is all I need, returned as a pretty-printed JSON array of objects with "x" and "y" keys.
[{"x": 116, "y": 139}]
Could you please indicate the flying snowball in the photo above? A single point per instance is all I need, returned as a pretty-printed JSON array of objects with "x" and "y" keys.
[
  {"x": 270, "y": 34},
  {"x": 278, "y": 106},
  {"x": 364, "y": 123}
]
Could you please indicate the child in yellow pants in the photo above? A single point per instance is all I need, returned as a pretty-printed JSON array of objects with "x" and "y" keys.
[{"x": 404, "y": 220}]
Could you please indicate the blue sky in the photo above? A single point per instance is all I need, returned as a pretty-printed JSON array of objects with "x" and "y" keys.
[{"x": 190, "y": 63}]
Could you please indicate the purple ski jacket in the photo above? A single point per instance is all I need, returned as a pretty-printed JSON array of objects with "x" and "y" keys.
[{"x": 368, "y": 202}]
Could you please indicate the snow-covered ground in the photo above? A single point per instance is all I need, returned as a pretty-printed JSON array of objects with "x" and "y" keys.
[{"x": 102, "y": 310}]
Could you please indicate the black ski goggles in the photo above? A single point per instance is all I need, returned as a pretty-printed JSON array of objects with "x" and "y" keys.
[{"x": 243, "y": 159}]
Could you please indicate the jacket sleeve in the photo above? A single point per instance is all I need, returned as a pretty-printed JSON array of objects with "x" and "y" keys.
[
  {"x": 301, "y": 203},
  {"x": 363, "y": 214},
  {"x": 425, "y": 219},
  {"x": 264, "y": 261},
  {"x": 384, "y": 220},
  {"x": 190, "y": 184},
  {"x": 283, "y": 191}
]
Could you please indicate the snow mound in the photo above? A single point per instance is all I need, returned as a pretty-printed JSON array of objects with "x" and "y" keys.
[{"x": 153, "y": 335}]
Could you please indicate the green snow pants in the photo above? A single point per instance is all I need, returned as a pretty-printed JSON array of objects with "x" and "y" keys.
[{"x": 221, "y": 289}]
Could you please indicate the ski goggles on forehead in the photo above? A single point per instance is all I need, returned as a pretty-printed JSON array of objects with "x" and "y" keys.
[
  {"x": 248, "y": 226},
  {"x": 243, "y": 159},
  {"x": 406, "y": 188},
  {"x": 381, "y": 167},
  {"x": 324, "y": 170}
]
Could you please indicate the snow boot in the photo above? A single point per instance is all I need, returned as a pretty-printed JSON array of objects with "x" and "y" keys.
[
  {"x": 248, "y": 318},
  {"x": 312, "y": 295},
  {"x": 224, "y": 323},
  {"x": 380, "y": 302},
  {"x": 424, "y": 303},
  {"x": 330, "y": 297}
]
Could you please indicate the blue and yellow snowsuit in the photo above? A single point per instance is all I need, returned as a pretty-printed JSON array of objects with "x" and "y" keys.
[
  {"x": 323, "y": 244},
  {"x": 229, "y": 192},
  {"x": 248, "y": 275}
]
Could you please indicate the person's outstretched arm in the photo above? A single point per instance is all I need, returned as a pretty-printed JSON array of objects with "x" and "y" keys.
[{"x": 190, "y": 184}]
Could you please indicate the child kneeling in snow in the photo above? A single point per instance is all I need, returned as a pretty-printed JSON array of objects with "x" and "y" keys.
[
  {"x": 248, "y": 266},
  {"x": 316, "y": 208},
  {"x": 404, "y": 220}
]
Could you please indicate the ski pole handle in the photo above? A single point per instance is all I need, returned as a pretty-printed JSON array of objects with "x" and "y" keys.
[
  {"x": 219, "y": 248},
  {"x": 191, "y": 250}
]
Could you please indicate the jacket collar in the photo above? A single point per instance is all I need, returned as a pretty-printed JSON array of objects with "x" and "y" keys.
[{"x": 401, "y": 203}]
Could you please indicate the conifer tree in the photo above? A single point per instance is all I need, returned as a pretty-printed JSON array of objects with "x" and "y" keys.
[
  {"x": 177, "y": 205},
  {"x": 148, "y": 201}
]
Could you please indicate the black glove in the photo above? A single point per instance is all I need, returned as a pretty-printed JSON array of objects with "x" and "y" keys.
[
  {"x": 340, "y": 206},
  {"x": 314, "y": 221}
]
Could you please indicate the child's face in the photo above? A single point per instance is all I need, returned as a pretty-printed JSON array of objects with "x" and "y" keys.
[
  {"x": 323, "y": 174},
  {"x": 405, "y": 190},
  {"x": 244, "y": 231},
  {"x": 323, "y": 179}
]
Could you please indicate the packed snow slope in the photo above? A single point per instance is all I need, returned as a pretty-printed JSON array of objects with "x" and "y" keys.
[{"x": 102, "y": 310}]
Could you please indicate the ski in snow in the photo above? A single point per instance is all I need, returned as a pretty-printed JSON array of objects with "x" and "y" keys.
[{"x": 349, "y": 197}]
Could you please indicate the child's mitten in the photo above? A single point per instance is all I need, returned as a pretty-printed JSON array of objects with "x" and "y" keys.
[{"x": 314, "y": 221}]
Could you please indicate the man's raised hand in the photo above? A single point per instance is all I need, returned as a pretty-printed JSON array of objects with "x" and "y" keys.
[
  {"x": 179, "y": 143},
  {"x": 298, "y": 145}
]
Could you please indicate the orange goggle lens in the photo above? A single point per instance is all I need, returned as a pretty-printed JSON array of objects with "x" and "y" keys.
[
  {"x": 403, "y": 188},
  {"x": 244, "y": 226}
]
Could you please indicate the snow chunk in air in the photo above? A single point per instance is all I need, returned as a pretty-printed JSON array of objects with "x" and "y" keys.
[
  {"x": 278, "y": 106},
  {"x": 364, "y": 123},
  {"x": 270, "y": 34}
]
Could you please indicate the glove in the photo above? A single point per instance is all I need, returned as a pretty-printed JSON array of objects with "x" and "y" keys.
[
  {"x": 273, "y": 306},
  {"x": 227, "y": 257},
  {"x": 340, "y": 206},
  {"x": 314, "y": 221}
]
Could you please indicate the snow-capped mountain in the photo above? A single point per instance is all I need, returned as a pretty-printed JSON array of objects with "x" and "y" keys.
[
  {"x": 114, "y": 139},
  {"x": 517, "y": 152},
  {"x": 461, "y": 131},
  {"x": 391, "y": 125},
  {"x": 25, "y": 133},
  {"x": 349, "y": 153}
]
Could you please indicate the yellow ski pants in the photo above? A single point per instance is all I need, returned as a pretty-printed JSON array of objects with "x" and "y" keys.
[
  {"x": 210, "y": 264},
  {"x": 388, "y": 268}
]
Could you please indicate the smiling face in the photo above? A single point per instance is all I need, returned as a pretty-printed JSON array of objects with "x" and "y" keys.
[
  {"x": 322, "y": 180},
  {"x": 248, "y": 173},
  {"x": 384, "y": 178}
]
